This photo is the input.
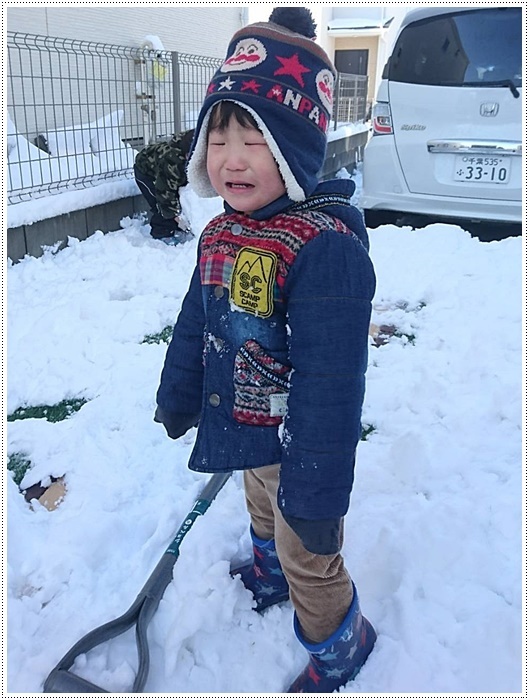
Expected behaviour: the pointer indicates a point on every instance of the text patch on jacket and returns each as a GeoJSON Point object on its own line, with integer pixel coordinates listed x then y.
{"type": "Point", "coordinates": [252, 281]}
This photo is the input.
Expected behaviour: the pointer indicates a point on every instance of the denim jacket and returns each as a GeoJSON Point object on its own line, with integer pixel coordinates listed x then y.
{"type": "Point", "coordinates": [270, 346]}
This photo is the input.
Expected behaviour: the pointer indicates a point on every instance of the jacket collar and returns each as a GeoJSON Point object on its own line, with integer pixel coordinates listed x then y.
{"type": "Point", "coordinates": [330, 193]}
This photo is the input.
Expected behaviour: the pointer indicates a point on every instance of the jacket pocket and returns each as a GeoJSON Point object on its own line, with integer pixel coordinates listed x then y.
{"type": "Point", "coordinates": [261, 386]}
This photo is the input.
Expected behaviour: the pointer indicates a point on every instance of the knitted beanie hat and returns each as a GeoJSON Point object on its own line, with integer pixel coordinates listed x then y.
{"type": "Point", "coordinates": [285, 81]}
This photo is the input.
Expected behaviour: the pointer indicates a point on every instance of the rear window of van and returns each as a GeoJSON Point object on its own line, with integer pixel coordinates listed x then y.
{"type": "Point", "coordinates": [479, 47]}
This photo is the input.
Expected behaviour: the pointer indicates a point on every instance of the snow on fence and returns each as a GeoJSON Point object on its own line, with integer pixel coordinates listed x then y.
{"type": "Point", "coordinates": [79, 111]}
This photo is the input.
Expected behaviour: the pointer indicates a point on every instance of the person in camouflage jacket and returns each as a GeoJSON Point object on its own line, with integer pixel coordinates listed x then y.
{"type": "Point", "coordinates": [160, 170]}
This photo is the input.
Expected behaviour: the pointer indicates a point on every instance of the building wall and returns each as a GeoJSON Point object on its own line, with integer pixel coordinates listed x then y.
{"type": "Point", "coordinates": [380, 47]}
{"type": "Point", "coordinates": [371, 43]}
{"type": "Point", "coordinates": [200, 30]}
{"type": "Point", "coordinates": [39, 104]}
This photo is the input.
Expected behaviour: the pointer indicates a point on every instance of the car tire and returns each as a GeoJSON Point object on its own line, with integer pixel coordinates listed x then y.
{"type": "Point", "coordinates": [378, 217]}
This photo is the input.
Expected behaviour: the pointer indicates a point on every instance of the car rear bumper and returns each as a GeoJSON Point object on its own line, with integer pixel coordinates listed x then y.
{"type": "Point", "coordinates": [384, 188]}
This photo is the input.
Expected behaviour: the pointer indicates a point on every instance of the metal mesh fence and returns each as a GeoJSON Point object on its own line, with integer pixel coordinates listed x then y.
{"type": "Point", "coordinates": [350, 104]}
{"type": "Point", "coordinates": [79, 111]}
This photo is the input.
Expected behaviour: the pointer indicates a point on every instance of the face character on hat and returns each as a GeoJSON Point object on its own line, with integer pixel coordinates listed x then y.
{"type": "Point", "coordinates": [324, 85]}
{"type": "Point", "coordinates": [248, 54]}
{"type": "Point", "coordinates": [285, 81]}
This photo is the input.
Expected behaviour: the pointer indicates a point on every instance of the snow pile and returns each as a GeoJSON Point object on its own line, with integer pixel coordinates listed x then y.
{"type": "Point", "coordinates": [433, 533]}
{"type": "Point", "coordinates": [90, 152]}
{"type": "Point", "coordinates": [152, 42]}
{"type": "Point", "coordinates": [101, 138]}
{"type": "Point", "coordinates": [27, 213]}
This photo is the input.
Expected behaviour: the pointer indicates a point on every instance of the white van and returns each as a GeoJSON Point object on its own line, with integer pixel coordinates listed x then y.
{"type": "Point", "coordinates": [446, 142]}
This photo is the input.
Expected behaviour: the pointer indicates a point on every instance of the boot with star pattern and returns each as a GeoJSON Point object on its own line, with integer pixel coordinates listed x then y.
{"type": "Point", "coordinates": [263, 576]}
{"type": "Point", "coordinates": [338, 659]}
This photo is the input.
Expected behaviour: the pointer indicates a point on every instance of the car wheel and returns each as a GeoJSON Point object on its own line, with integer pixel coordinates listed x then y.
{"type": "Point", "coordinates": [492, 231]}
{"type": "Point", "coordinates": [377, 217]}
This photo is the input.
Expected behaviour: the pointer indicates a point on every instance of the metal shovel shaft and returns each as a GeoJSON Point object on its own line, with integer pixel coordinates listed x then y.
{"type": "Point", "coordinates": [141, 612]}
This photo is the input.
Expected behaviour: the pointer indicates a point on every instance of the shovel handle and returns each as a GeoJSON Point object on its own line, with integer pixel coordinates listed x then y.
{"type": "Point", "coordinates": [62, 680]}
{"type": "Point", "coordinates": [212, 488]}
{"type": "Point", "coordinates": [205, 499]}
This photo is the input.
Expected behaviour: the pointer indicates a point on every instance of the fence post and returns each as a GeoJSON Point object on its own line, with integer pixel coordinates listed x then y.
{"type": "Point", "coordinates": [176, 92]}
{"type": "Point", "coordinates": [364, 100]}
{"type": "Point", "coordinates": [337, 100]}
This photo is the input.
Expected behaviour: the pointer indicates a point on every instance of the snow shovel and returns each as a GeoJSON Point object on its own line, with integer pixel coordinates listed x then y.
{"type": "Point", "coordinates": [140, 613]}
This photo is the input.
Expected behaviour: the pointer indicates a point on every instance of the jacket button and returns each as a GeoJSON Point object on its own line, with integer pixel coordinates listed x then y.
{"type": "Point", "coordinates": [236, 229]}
{"type": "Point", "coordinates": [218, 291]}
{"type": "Point", "coordinates": [214, 400]}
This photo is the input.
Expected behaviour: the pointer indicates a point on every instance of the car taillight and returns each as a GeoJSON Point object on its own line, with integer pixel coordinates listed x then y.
{"type": "Point", "coordinates": [382, 123]}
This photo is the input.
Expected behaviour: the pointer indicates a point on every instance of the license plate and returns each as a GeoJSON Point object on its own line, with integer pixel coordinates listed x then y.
{"type": "Point", "coordinates": [482, 169]}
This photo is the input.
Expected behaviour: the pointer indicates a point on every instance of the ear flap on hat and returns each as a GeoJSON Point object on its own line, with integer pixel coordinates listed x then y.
{"type": "Point", "coordinates": [197, 173]}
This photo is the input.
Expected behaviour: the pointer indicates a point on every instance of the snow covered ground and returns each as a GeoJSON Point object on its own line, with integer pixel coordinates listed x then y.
{"type": "Point", "coordinates": [433, 535]}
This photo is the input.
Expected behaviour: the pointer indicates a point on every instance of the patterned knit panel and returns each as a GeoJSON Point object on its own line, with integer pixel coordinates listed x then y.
{"type": "Point", "coordinates": [261, 386]}
{"type": "Point", "coordinates": [283, 235]}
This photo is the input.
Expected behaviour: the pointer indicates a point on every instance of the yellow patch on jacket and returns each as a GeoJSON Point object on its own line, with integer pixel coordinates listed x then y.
{"type": "Point", "coordinates": [252, 281]}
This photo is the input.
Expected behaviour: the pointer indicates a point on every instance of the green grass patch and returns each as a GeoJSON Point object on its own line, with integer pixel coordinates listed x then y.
{"type": "Point", "coordinates": [18, 464]}
{"type": "Point", "coordinates": [163, 336]}
{"type": "Point", "coordinates": [367, 430]}
{"type": "Point", "coordinates": [53, 414]}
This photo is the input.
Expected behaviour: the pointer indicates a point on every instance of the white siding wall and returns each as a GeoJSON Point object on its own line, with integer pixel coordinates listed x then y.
{"type": "Point", "coordinates": [204, 31]}
{"type": "Point", "coordinates": [41, 106]}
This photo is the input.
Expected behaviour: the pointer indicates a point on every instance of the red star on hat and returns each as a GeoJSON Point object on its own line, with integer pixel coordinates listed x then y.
{"type": "Point", "coordinates": [251, 85]}
{"type": "Point", "coordinates": [292, 66]}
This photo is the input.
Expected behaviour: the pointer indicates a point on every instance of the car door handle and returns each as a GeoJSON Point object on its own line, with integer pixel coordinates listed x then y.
{"type": "Point", "coordinates": [497, 148]}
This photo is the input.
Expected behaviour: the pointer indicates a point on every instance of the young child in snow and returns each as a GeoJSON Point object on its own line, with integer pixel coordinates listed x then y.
{"type": "Point", "coordinates": [160, 171]}
{"type": "Point", "coordinates": [269, 351]}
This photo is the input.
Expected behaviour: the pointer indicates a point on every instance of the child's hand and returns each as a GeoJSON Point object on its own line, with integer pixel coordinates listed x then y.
{"type": "Point", "coordinates": [175, 424]}
{"type": "Point", "coordinates": [182, 222]}
{"type": "Point", "coordinates": [318, 536]}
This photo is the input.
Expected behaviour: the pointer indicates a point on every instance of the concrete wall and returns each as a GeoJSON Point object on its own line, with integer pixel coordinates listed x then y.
{"type": "Point", "coordinates": [28, 240]}
{"type": "Point", "coordinates": [344, 153]}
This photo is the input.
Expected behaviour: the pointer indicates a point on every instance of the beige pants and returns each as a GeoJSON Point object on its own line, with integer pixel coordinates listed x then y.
{"type": "Point", "coordinates": [320, 587]}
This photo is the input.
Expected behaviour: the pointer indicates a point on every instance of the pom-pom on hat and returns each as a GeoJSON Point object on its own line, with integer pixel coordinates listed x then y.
{"type": "Point", "coordinates": [285, 81]}
{"type": "Point", "coordinates": [297, 19]}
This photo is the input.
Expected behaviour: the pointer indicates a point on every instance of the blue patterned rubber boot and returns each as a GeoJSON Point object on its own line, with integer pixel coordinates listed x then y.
{"type": "Point", "coordinates": [338, 659]}
{"type": "Point", "coordinates": [263, 576]}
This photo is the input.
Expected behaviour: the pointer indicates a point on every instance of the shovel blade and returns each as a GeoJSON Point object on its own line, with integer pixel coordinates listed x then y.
{"type": "Point", "coordinates": [61, 681]}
